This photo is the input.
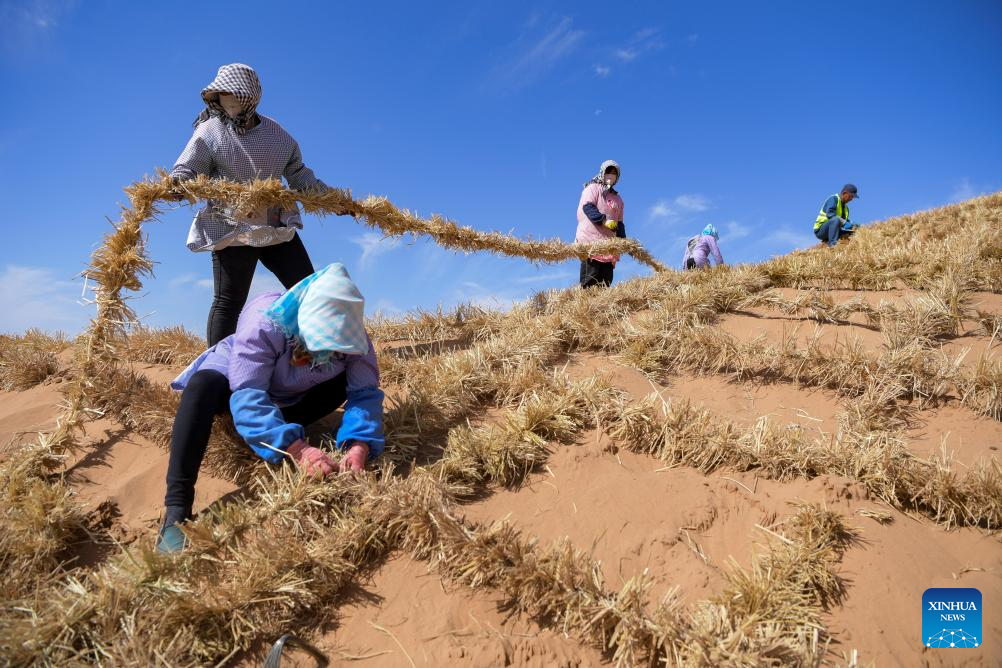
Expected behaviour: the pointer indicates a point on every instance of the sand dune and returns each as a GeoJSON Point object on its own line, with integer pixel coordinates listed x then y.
{"type": "Point", "coordinates": [690, 527]}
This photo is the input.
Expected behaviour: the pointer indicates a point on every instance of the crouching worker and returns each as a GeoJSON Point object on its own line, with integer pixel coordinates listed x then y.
{"type": "Point", "coordinates": [700, 247]}
{"type": "Point", "coordinates": [600, 217]}
{"type": "Point", "coordinates": [833, 221]}
{"type": "Point", "coordinates": [295, 358]}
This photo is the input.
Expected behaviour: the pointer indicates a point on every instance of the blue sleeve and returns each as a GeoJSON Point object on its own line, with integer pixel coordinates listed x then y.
{"type": "Point", "coordinates": [363, 420]}
{"type": "Point", "coordinates": [363, 407]}
{"type": "Point", "coordinates": [259, 422]}
{"type": "Point", "coordinates": [831, 206]}
{"type": "Point", "coordinates": [255, 347]}
{"type": "Point", "coordinates": [594, 215]}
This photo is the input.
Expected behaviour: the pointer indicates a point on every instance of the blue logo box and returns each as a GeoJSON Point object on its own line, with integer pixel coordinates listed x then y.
{"type": "Point", "coordinates": [951, 618]}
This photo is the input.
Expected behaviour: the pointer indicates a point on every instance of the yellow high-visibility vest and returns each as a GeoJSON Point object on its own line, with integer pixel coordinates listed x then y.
{"type": "Point", "coordinates": [841, 210]}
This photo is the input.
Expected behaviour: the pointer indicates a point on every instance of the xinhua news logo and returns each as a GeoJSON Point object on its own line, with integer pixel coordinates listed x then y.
{"type": "Point", "coordinates": [951, 618]}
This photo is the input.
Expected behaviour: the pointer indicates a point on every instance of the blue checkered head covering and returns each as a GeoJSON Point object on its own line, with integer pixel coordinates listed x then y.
{"type": "Point", "coordinates": [323, 313]}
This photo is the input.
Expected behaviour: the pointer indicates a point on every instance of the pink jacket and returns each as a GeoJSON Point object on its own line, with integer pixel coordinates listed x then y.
{"type": "Point", "coordinates": [607, 202]}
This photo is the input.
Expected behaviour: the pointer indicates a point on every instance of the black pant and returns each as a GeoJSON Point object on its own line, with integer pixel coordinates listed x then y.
{"type": "Point", "coordinates": [690, 264]}
{"type": "Point", "coordinates": [206, 395]}
{"type": "Point", "coordinates": [594, 272]}
{"type": "Point", "coordinates": [232, 272]}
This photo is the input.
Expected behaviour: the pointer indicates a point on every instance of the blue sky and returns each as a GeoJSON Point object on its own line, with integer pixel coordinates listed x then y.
{"type": "Point", "coordinates": [746, 115]}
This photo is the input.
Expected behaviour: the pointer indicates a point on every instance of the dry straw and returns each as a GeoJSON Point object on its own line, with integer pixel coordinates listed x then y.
{"type": "Point", "coordinates": [284, 555]}
{"type": "Point", "coordinates": [29, 359]}
{"type": "Point", "coordinates": [255, 568]}
{"type": "Point", "coordinates": [380, 213]}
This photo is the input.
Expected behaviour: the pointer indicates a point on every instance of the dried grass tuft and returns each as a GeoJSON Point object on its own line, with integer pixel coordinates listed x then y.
{"type": "Point", "coordinates": [169, 346]}
{"type": "Point", "coordinates": [29, 359]}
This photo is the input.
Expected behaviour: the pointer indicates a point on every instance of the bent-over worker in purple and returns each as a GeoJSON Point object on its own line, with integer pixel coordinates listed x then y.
{"type": "Point", "coordinates": [295, 358]}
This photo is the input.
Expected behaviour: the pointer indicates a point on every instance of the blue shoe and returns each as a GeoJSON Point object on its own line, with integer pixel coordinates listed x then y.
{"type": "Point", "coordinates": [171, 539]}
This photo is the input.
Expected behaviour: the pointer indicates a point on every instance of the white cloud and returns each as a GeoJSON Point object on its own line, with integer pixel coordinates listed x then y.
{"type": "Point", "coordinates": [673, 210]}
{"type": "Point", "coordinates": [964, 190]}
{"type": "Point", "coordinates": [733, 231]}
{"type": "Point", "coordinates": [373, 245]}
{"type": "Point", "coordinates": [676, 246]}
{"type": "Point", "coordinates": [38, 297]}
{"type": "Point", "coordinates": [661, 209]}
{"type": "Point", "coordinates": [788, 239]}
{"type": "Point", "coordinates": [185, 280]}
{"type": "Point", "coordinates": [533, 55]}
{"type": "Point", "coordinates": [598, 112]}
{"type": "Point", "coordinates": [692, 203]}
{"type": "Point", "coordinates": [602, 71]}
{"type": "Point", "coordinates": [27, 25]}
{"type": "Point", "coordinates": [643, 41]}
{"type": "Point", "coordinates": [433, 262]}
{"type": "Point", "coordinates": [386, 308]}
{"type": "Point", "coordinates": [182, 280]}
{"type": "Point", "coordinates": [692, 38]}
{"type": "Point", "coordinates": [264, 281]}
{"type": "Point", "coordinates": [471, 292]}
{"type": "Point", "coordinates": [549, 277]}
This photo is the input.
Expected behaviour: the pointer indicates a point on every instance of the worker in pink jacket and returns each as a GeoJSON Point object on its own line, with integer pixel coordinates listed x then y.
{"type": "Point", "coordinates": [600, 217]}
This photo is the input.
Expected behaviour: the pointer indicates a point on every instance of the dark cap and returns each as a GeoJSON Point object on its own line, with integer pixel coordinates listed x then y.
{"type": "Point", "coordinates": [851, 189]}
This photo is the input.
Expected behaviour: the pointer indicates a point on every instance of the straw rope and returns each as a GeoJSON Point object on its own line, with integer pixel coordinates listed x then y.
{"type": "Point", "coordinates": [119, 265]}
{"type": "Point", "coordinates": [380, 213]}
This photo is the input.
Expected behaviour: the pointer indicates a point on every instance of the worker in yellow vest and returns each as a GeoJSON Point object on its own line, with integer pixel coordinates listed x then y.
{"type": "Point", "coordinates": [833, 220]}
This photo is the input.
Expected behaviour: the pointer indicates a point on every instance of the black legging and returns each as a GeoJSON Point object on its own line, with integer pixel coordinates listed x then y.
{"type": "Point", "coordinates": [595, 273]}
{"type": "Point", "coordinates": [206, 395]}
{"type": "Point", "coordinates": [232, 273]}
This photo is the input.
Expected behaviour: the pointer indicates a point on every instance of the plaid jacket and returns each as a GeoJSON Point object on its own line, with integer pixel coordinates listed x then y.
{"type": "Point", "coordinates": [265, 151]}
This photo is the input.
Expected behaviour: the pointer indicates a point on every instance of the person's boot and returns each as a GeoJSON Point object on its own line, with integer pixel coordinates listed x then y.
{"type": "Point", "coordinates": [171, 538]}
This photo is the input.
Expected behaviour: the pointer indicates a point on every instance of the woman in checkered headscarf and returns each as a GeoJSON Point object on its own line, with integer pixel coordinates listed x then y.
{"type": "Point", "coordinates": [233, 141]}
{"type": "Point", "coordinates": [295, 358]}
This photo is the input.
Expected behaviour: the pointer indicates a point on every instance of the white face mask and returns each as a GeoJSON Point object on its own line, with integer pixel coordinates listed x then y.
{"type": "Point", "coordinates": [230, 104]}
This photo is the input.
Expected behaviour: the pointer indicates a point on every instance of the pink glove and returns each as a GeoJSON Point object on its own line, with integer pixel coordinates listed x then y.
{"type": "Point", "coordinates": [354, 461]}
{"type": "Point", "coordinates": [313, 461]}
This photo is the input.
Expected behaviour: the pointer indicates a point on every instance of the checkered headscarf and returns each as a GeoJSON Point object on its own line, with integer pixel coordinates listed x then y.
{"type": "Point", "coordinates": [242, 82]}
{"type": "Point", "coordinates": [323, 313]}
{"type": "Point", "coordinates": [600, 177]}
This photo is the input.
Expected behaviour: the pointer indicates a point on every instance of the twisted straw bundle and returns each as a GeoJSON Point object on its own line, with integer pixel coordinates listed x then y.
{"type": "Point", "coordinates": [379, 212]}
{"type": "Point", "coordinates": [121, 261]}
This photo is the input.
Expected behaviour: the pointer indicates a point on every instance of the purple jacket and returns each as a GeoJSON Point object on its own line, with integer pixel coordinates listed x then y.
{"type": "Point", "coordinates": [257, 360]}
{"type": "Point", "coordinates": [699, 249]}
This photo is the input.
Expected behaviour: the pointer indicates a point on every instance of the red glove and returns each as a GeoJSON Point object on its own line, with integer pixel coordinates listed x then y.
{"type": "Point", "coordinates": [313, 461]}
{"type": "Point", "coordinates": [354, 461]}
